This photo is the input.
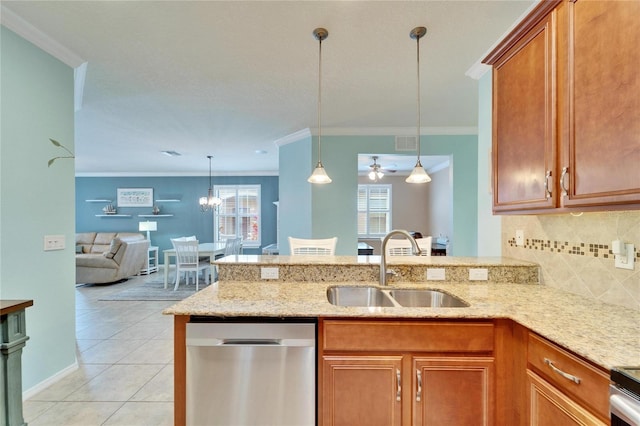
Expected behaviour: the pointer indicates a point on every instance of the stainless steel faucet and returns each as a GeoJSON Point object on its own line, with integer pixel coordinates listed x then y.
{"type": "Point", "coordinates": [383, 257]}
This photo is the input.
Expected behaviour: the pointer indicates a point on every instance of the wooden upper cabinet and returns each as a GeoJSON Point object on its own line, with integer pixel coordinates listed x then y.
{"type": "Point", "coordinates": [524, 116]}
{"type": "Point", "coordinates": [600, 100]}
{"type": "Point", "coordinates": [566, 110]}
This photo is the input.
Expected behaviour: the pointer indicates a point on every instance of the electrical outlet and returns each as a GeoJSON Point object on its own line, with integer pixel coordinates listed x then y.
{"type": "Point", "coordinates": [269, 273]}
{"type": "Point", "coordinates": [478, 274]}
{"type": "Point", "coordinates": [435, 274]}
{"type": "Point", "coordinates": [54, 242]}
{"type": "Point", "coordinates": [626, 258]}
{"type": "Point", "coordinates": [519, 237]}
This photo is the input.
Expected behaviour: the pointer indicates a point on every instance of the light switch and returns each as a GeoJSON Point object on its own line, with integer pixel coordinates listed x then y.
{"type": "Point", "coordinates": [54, 242]}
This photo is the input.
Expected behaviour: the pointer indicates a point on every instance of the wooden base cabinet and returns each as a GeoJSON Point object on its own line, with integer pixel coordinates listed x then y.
{"type": "Point", "coordinates": [550, 407]}
{"type": "Point", "coordinates": [362, 390]}
{"type": "Point", "coordinates": [453, 391]}
{"type": "Point", "coordinates": [405, 373]}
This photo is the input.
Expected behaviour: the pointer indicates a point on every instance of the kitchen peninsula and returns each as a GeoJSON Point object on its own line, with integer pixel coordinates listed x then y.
{"type": "Point", "coordinates": [490, 344]}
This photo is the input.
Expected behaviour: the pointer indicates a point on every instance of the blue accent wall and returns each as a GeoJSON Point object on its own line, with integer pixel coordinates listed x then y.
{"type": "Point", "coordinates": [187, 218]}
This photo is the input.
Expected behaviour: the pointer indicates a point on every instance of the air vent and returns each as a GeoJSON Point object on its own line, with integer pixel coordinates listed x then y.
{"type": "Point", "coordinates": [406, 143]}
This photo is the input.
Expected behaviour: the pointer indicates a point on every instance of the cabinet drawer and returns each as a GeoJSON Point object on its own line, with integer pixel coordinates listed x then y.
{"type": "Point", "coordinates": [407, 336]}
{"type": "Point", "coordinates": [552, 361]}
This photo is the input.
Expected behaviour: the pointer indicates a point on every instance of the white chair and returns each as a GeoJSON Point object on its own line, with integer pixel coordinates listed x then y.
{"type": "Point", "coordinates": [312, 247]}
{"type": "Point", "coordinates": [402, 247]}
{"type": "Point", "coordinates": [187, 261]}
{"type": "Point", "coordinates": [233, 246]}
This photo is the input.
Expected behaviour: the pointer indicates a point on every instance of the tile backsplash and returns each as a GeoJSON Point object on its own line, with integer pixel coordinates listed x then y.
{"type": "Point", "coordinates": [574, 252]}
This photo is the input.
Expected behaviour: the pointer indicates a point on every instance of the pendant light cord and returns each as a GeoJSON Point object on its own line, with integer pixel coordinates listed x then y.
{"type": "Point", "coordinates": [319, 98]}
{"type": "Point", "coordinates": [418, 75]}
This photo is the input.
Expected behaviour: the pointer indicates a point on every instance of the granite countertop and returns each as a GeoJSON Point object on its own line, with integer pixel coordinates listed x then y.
{"type": "Point", "coordinates": [605, 334]}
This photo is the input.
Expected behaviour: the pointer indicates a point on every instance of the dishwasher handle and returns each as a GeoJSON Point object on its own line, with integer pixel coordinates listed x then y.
{"type": "Point", "coordinates": [251, 342]}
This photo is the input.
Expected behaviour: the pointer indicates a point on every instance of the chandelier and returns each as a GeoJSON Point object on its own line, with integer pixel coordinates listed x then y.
{"type": "Point", "coordinates": [209, 202]}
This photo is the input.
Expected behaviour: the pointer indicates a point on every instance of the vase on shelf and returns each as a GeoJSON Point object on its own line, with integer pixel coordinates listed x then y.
{"type": "Point", "coordinates": [156, 210]}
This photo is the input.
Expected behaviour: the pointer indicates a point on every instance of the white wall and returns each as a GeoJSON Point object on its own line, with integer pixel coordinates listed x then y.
{"type": "Point", "coordinates": [489, 226]}
{"type": "Point", "coordinates": [441, 204]}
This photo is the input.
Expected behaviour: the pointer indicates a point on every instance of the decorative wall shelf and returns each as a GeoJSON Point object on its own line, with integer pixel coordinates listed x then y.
{"type": "Point", "coordinates": [98, 201]}
{"type": "Point", "coordinates": [113, 215]}
{"type": "Point", "coordinates": [155, 215]}
{"type": "Point", "coordinates": [169, 200]}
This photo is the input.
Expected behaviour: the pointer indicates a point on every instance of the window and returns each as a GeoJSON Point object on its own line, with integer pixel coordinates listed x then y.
{"type": "Point", "coordinates": [374, 210]}
{"type": "Point", "coordinates": [239, 214]}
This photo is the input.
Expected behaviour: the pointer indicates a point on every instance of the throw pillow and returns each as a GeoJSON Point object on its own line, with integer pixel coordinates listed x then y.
{"type": "Point", "coordinates": [113, 249]}
{"type": "Point", "coordinates": [78, 249]}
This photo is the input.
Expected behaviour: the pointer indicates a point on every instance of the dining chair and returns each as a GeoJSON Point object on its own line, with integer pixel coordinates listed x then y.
{"type": "Point", "coordinates": [233, 246]}
{"type": "Point", "coordinates": [187, 261]}
{"type": "Point", "coordinates": [312, 247]}
{"type": "Point", "coordinates": [402, 247]}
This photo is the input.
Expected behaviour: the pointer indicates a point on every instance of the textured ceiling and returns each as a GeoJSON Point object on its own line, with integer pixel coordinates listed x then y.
{"type": "Point", "coordinates": [229, 78]}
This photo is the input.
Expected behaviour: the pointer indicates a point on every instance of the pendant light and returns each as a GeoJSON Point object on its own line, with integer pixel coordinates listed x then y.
{"type": "Point", "coordinates": [209, 202]}
{"type": "Point", "coordinates": [418, 174]}
{"type": "Point", "coordinates": [319, 175]}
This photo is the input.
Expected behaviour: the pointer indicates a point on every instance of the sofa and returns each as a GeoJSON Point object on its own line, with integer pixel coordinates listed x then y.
{"type": "Point", "coordinates": [107, 257]}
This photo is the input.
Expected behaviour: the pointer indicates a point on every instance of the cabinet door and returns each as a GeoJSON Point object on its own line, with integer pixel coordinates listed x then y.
{"type": "Point", "coordinates": [453, 391]}
{"type": "Point", "coordinates": [599, 93]}
{"type": "Point", "coordinates": [361, 390]}
{"type": "Point", "coordinates": [550, 407]}
{"type": "Point", "coordinates": [524, 114]}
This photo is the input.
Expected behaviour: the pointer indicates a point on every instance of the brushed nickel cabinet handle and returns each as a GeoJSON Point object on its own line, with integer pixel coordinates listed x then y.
{"type": "Point", "coordinates": [562, 373]}
{"type": "Point", "coordinates": [565, 191]}
{"type": "Point", "coordinates": [547, 191]}
{"type": "Point", "coordinates": [399, 388]}
{"type": "Point", "coordinates": [419, 392]}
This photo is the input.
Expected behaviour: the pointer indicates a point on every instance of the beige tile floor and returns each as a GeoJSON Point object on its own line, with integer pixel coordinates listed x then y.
{"type": "Point", "coordinates": [125, 357]}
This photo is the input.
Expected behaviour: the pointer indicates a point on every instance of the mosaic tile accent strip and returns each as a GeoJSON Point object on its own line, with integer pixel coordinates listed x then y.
{"type": "Point", "coordinates": [583, 249]}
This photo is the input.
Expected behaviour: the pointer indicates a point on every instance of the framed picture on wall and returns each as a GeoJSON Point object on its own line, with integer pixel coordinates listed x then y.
{"type": "Point", "coordinates": [135, 197]}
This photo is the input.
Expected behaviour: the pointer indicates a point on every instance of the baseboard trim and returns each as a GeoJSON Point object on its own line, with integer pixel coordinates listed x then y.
{"type": "Point", "coordinates": [51, 380]}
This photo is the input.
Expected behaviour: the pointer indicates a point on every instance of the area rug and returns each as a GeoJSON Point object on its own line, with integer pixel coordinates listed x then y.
{"type": "Point", "coordinates": [154, 290]}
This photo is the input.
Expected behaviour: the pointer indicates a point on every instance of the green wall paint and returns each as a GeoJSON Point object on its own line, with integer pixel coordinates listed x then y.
{"type": "Point", "coordinates": [36, 200]}
{"type": "Point", "coordinates": [295, 192]}
{"type": "Point", "coordinates": [489, 226]}
{"type": "Point", "coordinates": [333, 206]}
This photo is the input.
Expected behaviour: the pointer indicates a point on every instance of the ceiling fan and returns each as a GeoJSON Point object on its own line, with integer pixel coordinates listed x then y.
{"type": "Point", "coordinates": [377, 171]}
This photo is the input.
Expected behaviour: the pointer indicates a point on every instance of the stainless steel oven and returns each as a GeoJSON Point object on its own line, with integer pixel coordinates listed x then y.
{"type": "Point", "coordinates": [624, 396]}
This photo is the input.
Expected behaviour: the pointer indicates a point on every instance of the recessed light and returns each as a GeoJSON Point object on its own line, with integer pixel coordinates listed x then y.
{"type": "Point", "coordinates": [171, 153]}
{"type": "Point", "coordinates": [260, 151]}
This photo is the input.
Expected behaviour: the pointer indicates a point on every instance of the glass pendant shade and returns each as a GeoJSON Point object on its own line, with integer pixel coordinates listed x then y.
{"type": "Point", "coordinates": [418, 175]}
{"type": "Point", "coordinates": [319, 175]}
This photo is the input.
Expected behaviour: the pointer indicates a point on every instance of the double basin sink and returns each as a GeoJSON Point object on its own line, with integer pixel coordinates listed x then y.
{"type": "Point", "coordinates": [376, 297]}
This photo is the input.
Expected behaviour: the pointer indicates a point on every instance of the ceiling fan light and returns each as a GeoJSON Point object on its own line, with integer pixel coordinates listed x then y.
{"type": "Point", "coordinates": [372, 175]}
{"type": "Point", "coordinates": [418, 175]}
{"type": "Point", "coordinates": [319, 175]}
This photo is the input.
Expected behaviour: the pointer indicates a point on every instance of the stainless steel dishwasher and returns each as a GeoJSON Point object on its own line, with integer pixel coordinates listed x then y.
{"type": "Point", "coordinates": [251, 373]}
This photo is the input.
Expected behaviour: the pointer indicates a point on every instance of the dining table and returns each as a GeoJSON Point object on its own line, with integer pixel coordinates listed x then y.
{"type": "Point", "coordinates": [204, 249]}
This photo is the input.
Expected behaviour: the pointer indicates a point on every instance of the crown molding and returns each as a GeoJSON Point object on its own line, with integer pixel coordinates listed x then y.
{"type": "Point", "coordinates": [176, 174]}
{"type": "Point", "coordinates": [30, 33]}
{"type": "Point", "coordinates": [293, 137]}
{"type": "Point", "coordinates": [478, 69]}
